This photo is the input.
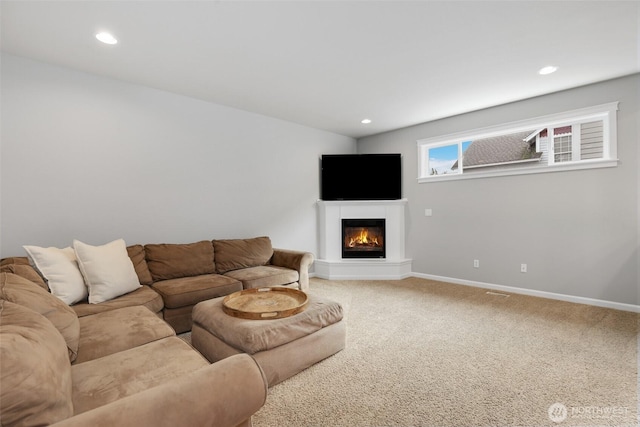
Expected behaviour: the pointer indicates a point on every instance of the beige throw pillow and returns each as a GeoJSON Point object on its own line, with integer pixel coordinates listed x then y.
{"type": "Point", "coordinates": [107, 270]}
{"type": "Point", "coordinates": [60, 269]}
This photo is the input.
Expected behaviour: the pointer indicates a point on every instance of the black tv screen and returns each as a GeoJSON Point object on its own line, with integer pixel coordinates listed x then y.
{"type": "Point", "coordinates": [360, 177]}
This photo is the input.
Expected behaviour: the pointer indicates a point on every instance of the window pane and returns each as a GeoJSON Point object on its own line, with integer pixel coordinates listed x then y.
{"type": "Point", "coordinates": [562, 148]}
{"type": "Point", "coordinates": [501, 151]}
{"type": "Point", "coordinates": [442, 159]}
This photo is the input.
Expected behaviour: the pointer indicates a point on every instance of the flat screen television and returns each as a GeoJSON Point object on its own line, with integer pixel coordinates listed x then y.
{"type": "Point", "coordinates": [360, 177]}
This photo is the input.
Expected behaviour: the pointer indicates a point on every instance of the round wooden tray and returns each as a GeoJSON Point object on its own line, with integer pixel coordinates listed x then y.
{"type": "Point", "coordinates": [265, 303]}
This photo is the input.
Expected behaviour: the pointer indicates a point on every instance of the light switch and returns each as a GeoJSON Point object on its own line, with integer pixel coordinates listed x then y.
{"type": "Point", "coordinates": [428, 212]}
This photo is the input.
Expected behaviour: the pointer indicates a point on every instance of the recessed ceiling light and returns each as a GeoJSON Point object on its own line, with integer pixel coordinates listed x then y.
{"type": "Point", "coordinates": [365, 121]}
{"type": "Point", "coordinates": [106, 38]}
{"type": "Point", "coordinates": [547, 70]}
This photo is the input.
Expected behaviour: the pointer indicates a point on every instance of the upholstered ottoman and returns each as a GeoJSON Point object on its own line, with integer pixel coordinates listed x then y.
{"type": "Point", "coordinates": [282, 347]}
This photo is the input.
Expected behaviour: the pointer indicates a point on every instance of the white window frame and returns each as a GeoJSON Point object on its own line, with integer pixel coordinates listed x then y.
{"type": "Point", "coordinates": [604, 112]}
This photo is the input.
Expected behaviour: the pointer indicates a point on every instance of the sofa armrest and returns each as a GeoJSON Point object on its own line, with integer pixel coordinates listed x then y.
{"type": "Point", "coordinates": [225, 393]}
{"type": "Point", "coordinates": [295, 260]}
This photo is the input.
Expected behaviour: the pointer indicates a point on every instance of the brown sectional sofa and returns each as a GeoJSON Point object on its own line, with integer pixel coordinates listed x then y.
{"type": "Point", "coordinates": [123, 366]}
{"type": "Point", "coordinates": [175, 277]}
{"type": "Point", "coordinates": [117, 362]}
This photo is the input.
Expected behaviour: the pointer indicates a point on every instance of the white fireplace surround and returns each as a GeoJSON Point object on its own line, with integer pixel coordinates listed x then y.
{"type": "Point", "coordinates": [331, 265]}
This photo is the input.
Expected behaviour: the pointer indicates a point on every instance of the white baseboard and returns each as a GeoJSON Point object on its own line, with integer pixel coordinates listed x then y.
{"type": "Point", "coordinates": [531, 292]}
{"type": "Point", "coordinates": [523, 291]}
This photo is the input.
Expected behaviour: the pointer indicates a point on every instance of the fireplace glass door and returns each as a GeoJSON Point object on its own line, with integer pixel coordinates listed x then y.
{"type": "Point", "coordinates": [363, 238]}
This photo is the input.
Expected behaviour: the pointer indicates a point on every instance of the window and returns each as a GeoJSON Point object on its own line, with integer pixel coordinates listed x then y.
{"type": "Point", "coordinates": [578, 139]}
{"type": "Point", "coordinates": [562, 144]}
{"type": "Point", "coordinates": [443, 158]}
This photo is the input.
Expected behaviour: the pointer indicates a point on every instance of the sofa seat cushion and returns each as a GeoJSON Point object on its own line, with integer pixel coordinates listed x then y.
{"type": "Point", "coordinates": [113, 331]}
{"type": "Point", "coordinates": [101, 381]}
{"type": "Point", "coordinates": [19, 290]}
{"type": "Point", "coordinates": [252, 336]}
{"type": "Point", "coordinates": [144, 296]}
{"type": "Point", "coordinates": [264, 276]}
{"type": "Point", "coordinates": [179, 318]}
{"type": "Point", "coordinates": [36, 374]}
{"type": "Point", "coordinates": [191, 290]}
{"type": "Point", "coordinates": [171, 260]}
{"type": "Point", "coordinates": [233, 254]}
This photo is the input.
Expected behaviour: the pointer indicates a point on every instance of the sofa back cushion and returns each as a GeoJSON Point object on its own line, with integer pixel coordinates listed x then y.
{"type": "Point", "coordinates": [136, 254]}
{"type": "Point", "coordinates": [18, 290]}
{"type": "Point", "coordinates": [14, 260]}
{"type": "Point", "coordinates": [171, 260]}
{"type": "Point", "coordinates": [21, 267]}
{"type": "Point", "coordinates": [233, 254]}
{"type": "Point", "coordinates": [35, 372]}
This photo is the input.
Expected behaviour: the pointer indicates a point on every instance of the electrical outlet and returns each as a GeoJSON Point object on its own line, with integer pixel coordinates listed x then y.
{"type": "Point", "coordinates": [428, 212]}
{"type": "Point", "coordinates": [523, 268]}
{"type": "Point", "coordinates": [476, 263]}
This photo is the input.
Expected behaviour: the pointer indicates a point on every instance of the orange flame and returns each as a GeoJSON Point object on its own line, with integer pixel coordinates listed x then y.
{"type": "Point", "coordinates": [362, 239]}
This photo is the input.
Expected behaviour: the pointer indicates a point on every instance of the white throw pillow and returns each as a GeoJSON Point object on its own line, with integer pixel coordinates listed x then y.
{"type": "Point", "coordinates": [60, 269]}
{"type": "Point", "coordinates": [107, 270]}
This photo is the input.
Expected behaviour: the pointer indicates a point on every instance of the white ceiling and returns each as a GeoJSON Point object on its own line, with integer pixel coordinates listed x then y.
{"type": "Point", "coordinates": [329, 64]}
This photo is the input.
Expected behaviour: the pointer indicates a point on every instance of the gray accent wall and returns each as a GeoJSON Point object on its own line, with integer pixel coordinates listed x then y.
{"type": "Point", "coordinates": [577, 231]}
{"type": "Point", "coordinates": [96, 159]}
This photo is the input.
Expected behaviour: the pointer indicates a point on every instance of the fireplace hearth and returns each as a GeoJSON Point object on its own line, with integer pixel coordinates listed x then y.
{"type": "Point", "coordinates": [363, 238]}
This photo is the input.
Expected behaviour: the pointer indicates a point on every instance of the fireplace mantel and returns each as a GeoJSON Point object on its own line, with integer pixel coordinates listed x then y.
{"type": "Point", "coordinates": [331, 265]}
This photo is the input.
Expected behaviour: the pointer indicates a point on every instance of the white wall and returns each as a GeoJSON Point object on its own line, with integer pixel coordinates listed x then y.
{"type": "Point", "coordinates": [578, 231]}
{"type": "Point", "coordinates": [97, 159]}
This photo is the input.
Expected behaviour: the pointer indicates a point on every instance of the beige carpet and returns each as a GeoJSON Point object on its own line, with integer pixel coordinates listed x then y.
{"type": "Point", "coordinates": [424, 353]}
